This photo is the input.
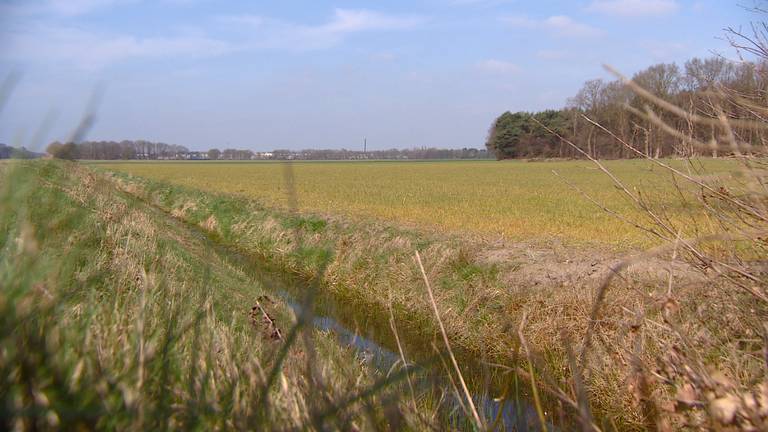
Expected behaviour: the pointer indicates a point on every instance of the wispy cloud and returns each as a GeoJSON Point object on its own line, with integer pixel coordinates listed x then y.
{"type": "Point", "coordinates": [42, 40]}
{"type": "Point", "coordinates": [496, 66]}
{"type": "Point", "coordinates": [566, 26]}
{"type": "Point", "coordinates": [63, 8]}
{"type": "Point", "coordinates": [349, 21]}
{"type": "Point", "coordinates": [343, 21]}
{"type": "Point", "coordinates": [559, 25]}
{"type": "Point", "coordinates": [263, 32]}
{"type": "Point", "coordinates": [90, 51]}
{"type": "Point", "coordinates": [79, 7]}
{"type": "Point", "coordinates": [634, 8]}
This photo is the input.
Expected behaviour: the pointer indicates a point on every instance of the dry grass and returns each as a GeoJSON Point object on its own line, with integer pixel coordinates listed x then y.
{"type": "Point", "coordinates": [481, 290]}
{"type": "Point", "coordinates": [672, 337]}
{"type": "Point", "coordinates": [695, 352]}
{"type": "Point", "coordinates": [115, 318]}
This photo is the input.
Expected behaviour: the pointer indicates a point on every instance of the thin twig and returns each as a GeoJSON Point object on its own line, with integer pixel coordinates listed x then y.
{"type": "Point", "coordinates": [470, 402]}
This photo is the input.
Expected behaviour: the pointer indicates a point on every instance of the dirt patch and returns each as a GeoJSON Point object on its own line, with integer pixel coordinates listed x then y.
{"type": "Point", "coordinates": [263, 321]}
{"type": "Point", "coordinates": [528, 265]}
{"type": "Point", "coordinates": [181, 212]}
{"type": "Point", "coordinates": [210, 224]}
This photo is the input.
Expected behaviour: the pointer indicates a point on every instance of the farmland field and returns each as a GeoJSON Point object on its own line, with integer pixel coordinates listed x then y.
{"type": "Point", "coordinates": [517, 200]}
{"type": "Point", "coordinates": [247, 265]}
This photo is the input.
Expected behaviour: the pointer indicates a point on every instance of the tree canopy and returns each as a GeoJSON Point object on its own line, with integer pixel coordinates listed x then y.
{"type": "Point", "coordinates": [523, 134]}
{"type": "Point", "coordinates": [700, 86]}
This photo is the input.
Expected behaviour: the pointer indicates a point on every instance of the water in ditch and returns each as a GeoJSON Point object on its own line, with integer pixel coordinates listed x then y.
{"type": "Point", "coordinates": [371, 336]}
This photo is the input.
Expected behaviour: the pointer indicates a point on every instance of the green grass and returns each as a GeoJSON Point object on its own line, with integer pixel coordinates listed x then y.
{"type": "Point", "coordinates": [514, 199]}
{"type": "Point", "coordinates": [114, 316]}
{"type": "Point", "coordinates": [104, 249]}
{"type": "Point", "coordinates": [371, 271]}
{"type": "Point", "coordinates": [482, 296]}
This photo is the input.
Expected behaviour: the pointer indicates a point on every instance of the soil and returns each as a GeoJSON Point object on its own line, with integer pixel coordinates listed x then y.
{"type": "Point", "coordinates": [263, 321]}
{"type": "Point", "coordinates": [553, 265]}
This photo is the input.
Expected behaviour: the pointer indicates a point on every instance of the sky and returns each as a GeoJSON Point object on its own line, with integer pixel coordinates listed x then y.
{"type": "Point", "coordinates": [291, 74]}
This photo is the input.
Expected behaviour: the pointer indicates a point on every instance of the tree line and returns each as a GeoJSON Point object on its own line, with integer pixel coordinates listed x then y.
{"type": "Point", "coordinates": [146, 150]}
{"type": "Point", "coordinates": [389, 154]}
{"type": "Point", "coordinates": [710, 87]}
{"type": "Point", "coordinates": [112, 150]}
{"type": "Point", "coordinates": [8, 152]}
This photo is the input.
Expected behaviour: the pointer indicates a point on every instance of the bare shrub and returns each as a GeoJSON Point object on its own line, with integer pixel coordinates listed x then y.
{"type": "Point", "coordinates": [695, 354]}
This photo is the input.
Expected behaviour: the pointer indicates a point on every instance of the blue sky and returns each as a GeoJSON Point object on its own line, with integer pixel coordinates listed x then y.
{"type": "Point", "coordinates": [324, 74]}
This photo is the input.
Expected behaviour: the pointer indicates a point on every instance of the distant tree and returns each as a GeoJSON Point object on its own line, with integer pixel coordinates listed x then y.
{"type": "Point", "coordinates": [214, 154]}
{"type": "Point", "coordinates": [663, 80]}
{"type": "Point", "coordinates": [127, 152]}
{"type": "Point", "coordinates": [505, 134]}
{"type": "Point", "coordinates": [229, 154]}
{"type": "Point", "coordinates": [5, 151]}
{"type": "Point", "coordinates": [67, 151]}
{"type": "Point", "coordinates": [529, 135]}
{"type": "Point", "coordinates": [543, 143]}
{"type": "Point", "coordinates": [590, 97]}
{"type": "Point", "coordinates": [705, 87]}
{"type": "Point", "coordinates": [8, 152]}
{"type": "Point", "coordinates": [243, 154]}
{"type": "Point", "coordinates": [703, 74]}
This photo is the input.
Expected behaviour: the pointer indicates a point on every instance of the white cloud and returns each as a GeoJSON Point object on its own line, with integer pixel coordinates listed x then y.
{"type": "Point", "coordinates": [79, 7]}
{"type": "Point", "coordinates": [92, 51]}
{"type": "Point", "coordinates": [64, 8]}
{"type": "Point", "coordinates": [261, 32]}
{"type": "Point", "coordinates": [498, 66]}
{"type": "Point", "coordinates": [349, 21]}
{"type": "Point", "coordinates": [40, 41]}
{"type": "Point", "coordinates": [634, 8]}
{"type": "Point", "coordinates": [566, 26]}
{"type": "Point", "coordinates": [560, 25]}
{"type": "Point", "coordinates": [342, 21]}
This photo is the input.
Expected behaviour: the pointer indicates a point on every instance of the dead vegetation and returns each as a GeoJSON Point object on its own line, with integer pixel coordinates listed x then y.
{"type": "Point", "coordinates": [114, 318]}
{"type": "Point", "coordinates": [263, 321]}
{"type": "Point", "coordinates": [669, 338]}
{"type": "Point", "coordinates": [481, 290]}
{"type": "Point", "coordinates": [691, 353]}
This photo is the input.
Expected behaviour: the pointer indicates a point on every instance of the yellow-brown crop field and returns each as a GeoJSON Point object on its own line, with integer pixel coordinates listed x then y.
{"type": "Point", "coordinates": [514, 199]}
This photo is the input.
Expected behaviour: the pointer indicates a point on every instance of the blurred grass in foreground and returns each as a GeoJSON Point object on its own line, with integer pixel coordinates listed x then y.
{"type": "Point", "coordinates": [111, 317]}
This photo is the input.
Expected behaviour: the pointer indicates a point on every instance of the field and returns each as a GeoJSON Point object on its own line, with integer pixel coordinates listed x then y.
{"type": "Point", "coordinates": [488, 290]}
{"type": "Point", "coordinates": [194, 303]}
{"type": "Point", "coordinates": [516, 200]}
{"type": "Point", "coordinates": [123, 331]}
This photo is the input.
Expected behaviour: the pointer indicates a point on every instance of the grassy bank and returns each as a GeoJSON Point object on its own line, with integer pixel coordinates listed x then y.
{"type": "Point", "coordinates": [486, 295]}
{"type": "Point", "coordinates": [114, 317]}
